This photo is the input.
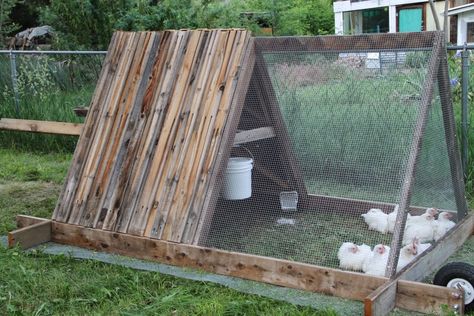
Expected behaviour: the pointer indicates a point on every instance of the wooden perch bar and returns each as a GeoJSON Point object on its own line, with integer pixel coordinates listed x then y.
{"type": "Point", "coordinates": [254, 135]}
{"type": "Point", "coordinates": [48, 127]}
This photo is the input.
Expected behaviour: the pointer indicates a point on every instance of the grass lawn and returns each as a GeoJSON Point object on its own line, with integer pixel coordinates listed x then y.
{"type": "Point", "coordinates": [41, 284]}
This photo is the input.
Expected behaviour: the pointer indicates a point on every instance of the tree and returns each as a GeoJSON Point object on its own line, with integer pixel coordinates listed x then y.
{"type": "Point", "coordinates": [7, 27]}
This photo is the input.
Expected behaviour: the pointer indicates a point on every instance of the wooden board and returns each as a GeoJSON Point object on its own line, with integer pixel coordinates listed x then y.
{"type": "Point", "coordinates": [357, 286]}
{"type": "Point", "coordinates": [382, 300]}
{"type": "Point", "coordinates": [48, 127]}
{"type": "Point", "coordinates": [254, 135]}
{"type": "Point", "coordinates": [26, 220]}
{"type": "Point", "coordinates": [30, 236]}
{"type": "Point", "coordinates": [156, 129]}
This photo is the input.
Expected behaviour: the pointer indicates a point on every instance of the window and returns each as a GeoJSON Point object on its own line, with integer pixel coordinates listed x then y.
{"type": "Point", "coordinates": [470, 32]}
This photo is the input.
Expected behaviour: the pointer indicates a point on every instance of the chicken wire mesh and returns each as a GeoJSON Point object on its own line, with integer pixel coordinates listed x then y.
{"type": "Point", "coordinates": [344, 124]}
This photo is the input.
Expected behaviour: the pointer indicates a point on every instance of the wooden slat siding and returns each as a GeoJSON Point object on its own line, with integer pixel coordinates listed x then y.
{"type": "Point", "coordinates": [193, 129]}
{"type": "Point", "coordinates": [201, 207]}
{"type": "Point", "coordinates": [427, 298]}
{"type": "Point", "coordinates": [371, 42]}
{"type": "Point", "coordinates": [26, 220]}
{"type": "Point", "coordinates": [167, 134]}
{"type": "Point", "coordinates": [154, 152]}
{"type": "Point", "coordinates": [449, 123]}
{"type": "Point", "coordinates": [254, 135]}
{"type": "Point", "coordinates": [269, 270]}
{"type": "Point", "coordinates": [382, 300]}
{"type": "Point", "coordinates": [432, 259]}
{"type": "Point", "coordinates": [95, 160]}
{"type": "Point", "coordinates": [62, 209]}
{"type": "Point", "coordinates": [30, 236]}
{"type": "Point", "coordinates": [413, 156]}
{"type": "Point", "coordinates": [95, 178]}
{"type": "Point", "coordinates": [293, 172]}
{"type": "Point", "coordinates": [129, 144]}
{"type": "Point", "coordinates": [47, 127]}
{"type": "Point", "coordinates": [169, 131]}
{"type": "Point", "coordinates": [109, 156]}
{"type": "Point", "coordinates": [185, 88]}
{"type": "Point", "coordinates": [225, 87]}
{"type": "Point", "coordinates": [157, 94]}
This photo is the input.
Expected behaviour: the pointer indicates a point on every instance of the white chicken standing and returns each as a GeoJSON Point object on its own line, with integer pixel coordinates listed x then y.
{"type": "Point", "coordinates": [377, 262]}
{"type": "Point", "coordinates": [422, 228]}
{"type": "Point", "coordinates": [429, 211]}
{"type": "Point", "coordinates": [442, 225]}
{"type": "Point", "coordinates": [377, 220]}
{"type": "Point", "coordinates": [352, 256]}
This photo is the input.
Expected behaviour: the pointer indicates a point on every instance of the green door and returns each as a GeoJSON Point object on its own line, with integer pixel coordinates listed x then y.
{"type": "Point", "coordinates": [410, 20]}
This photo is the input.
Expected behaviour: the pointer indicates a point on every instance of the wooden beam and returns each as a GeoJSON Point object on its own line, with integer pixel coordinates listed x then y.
{"type": "Point", "coordinates": [432, 259]}
{"type": "Point", "coordinates": [81, 111]}
{"type": "Point", "coordinates": [48, 127]}
{"type": "Point", "coordinates": [428, 298]}
{"type": "Point", "coordinates": [303, 276]}
{"type": "Point", "coordinates": [30, 236]}
{"type": "Point", "coordinates": [254, 135]}
{"type": "Point", "coordinates": [357, 286]}
{"type": "Point", "coordinates": [382, 300]}
{"type": "Point", "coordinates": [26, 220]}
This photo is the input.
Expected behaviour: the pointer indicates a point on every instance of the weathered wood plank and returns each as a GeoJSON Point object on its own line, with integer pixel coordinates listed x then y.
{"type": "Point", "coordinates": [30, 236]}
{"type": "Point", "coordinates": [254, 135]}
{"type": "Point", "coordinates": [428, 298]}
{"type": "Point", "coordinates": [382, 300]}
{"type": "Point", "coordinates": [269, 270]}
{"type": "Point", "coordinates": [47, 127]}
{"type": "Point", "coordinates": [26, 220]}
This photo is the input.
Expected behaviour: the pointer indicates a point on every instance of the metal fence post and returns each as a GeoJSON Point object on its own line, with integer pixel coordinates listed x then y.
{"type": "Point", "coordinates": [14, 83]}
{"type": "Point", "coordinates": [465, 108]}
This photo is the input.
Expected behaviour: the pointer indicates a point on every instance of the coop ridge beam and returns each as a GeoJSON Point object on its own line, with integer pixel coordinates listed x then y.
{"type": "Point", "coordinates": [30, 236]}
{"type": "Point", "coordinates": [252, 135]}
{"type": "Point", "coordinates": [48, 127]}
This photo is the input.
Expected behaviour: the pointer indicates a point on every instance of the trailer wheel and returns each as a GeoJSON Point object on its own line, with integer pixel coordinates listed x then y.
{"type": "Point", "coordinates": [455, 275]}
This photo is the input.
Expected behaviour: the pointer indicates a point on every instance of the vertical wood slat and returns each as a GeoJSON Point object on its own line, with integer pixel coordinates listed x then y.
{"type": "Point", "coordinates": [63, 207]}
{"type": "Point", "coordinates": [408, 179]}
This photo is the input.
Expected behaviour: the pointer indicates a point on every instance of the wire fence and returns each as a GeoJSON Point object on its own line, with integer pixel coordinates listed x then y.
{"type": "Point", "coordinates": [49, 84]}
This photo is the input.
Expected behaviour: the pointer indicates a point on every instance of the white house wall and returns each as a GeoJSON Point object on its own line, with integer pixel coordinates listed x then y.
{"type": "Point", "coordinates": [463, 19]}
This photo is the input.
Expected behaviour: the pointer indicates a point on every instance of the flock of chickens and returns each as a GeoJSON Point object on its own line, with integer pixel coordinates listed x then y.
{"type": "Point", "coordinates": [419, 231]}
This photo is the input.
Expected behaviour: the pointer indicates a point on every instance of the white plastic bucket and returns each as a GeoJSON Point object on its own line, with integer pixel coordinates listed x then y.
{"type": "Point", "coordinates": [238, 178]}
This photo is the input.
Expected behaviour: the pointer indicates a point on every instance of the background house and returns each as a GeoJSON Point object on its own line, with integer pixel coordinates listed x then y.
{"type": "Point", "coordinates": [463, 16]}
{"type": "Point", "coordinates": [381, 16]}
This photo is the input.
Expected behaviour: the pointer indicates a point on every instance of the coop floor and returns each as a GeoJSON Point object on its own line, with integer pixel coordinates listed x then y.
{"type": "Point", "coordinates": [310, 236]}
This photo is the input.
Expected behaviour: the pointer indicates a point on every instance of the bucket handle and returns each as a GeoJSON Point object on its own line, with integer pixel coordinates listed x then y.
{"type": "Point", "coordinates": [248, 151]}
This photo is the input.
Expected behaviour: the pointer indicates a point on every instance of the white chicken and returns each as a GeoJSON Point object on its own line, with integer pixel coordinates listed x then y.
{"type": "Point", "coordinates": [442, 225]}
{"type": "Point", "coordinates": [421, 228]}
{"type": "Point", "coordinates": [429, 211]}
{"type": "Point", "coordinates": [407, 254]}
{"type": "Point", "coordinates": [352, 256]}
{"type": "Point", "coordinates": [421, 247]}
{"type": "Point", "coordinates": [392, 217]}
{"type": "Point", "coordinates": [377, 220]}
{"type": "Point", "coordinates": [377, 262]}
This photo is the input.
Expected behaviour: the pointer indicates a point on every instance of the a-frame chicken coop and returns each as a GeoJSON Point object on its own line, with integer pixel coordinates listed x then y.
{"type": "Point", "coordinates": [332, 125]}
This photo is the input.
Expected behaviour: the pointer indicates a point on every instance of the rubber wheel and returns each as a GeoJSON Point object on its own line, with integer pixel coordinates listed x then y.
{"type": "Point", "coordinates": [456, 274]}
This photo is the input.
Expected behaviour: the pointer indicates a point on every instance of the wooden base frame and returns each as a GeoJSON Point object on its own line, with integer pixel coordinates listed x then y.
{"type": "Point", "coordinates": [379, 294]}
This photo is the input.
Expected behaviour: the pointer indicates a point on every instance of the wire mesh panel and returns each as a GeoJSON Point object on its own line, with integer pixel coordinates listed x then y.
{"type": "Point", "coordinates": [344, 117]}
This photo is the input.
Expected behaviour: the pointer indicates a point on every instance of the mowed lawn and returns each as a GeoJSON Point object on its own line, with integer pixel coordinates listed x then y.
{"type": "Point", "coordinates": [40, 284]}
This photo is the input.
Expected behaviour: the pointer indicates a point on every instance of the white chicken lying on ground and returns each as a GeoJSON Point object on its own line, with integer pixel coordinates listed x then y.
{"type": "Point", "coordinates": [422, 228]}
{"type": "Point", "coordinates": [377, 262]}
{"type": "Point", "coordinates": [352, 257]}
{"type": "Point", "coordinates": [392, 217]}
{"type": "Point", "coordinates": [421, 247]}
{"type": "Point", "coordinates": [421, 218]}
{"type": "Point", "coordinates": [408, 253]}
{"type": "Point", "coordinates": [377, 220]}
{"type": "Point", "coordinates": [442, 225]}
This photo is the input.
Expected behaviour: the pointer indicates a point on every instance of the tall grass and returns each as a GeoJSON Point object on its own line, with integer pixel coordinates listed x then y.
{"type": "Point", "coordinates": [47, 88]}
